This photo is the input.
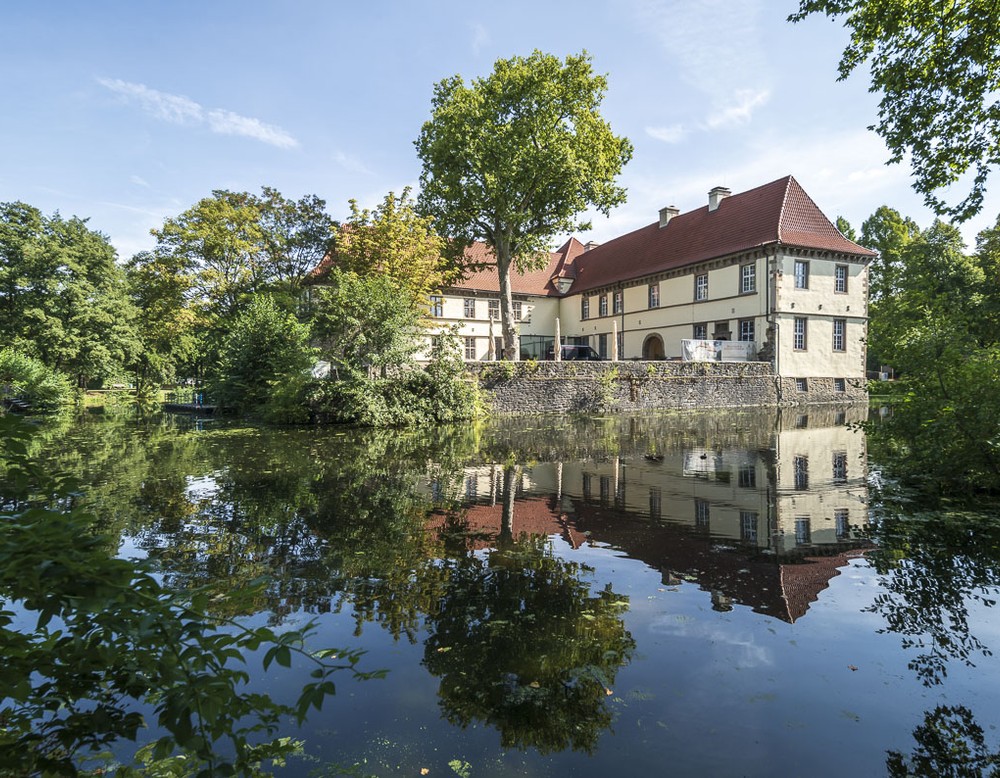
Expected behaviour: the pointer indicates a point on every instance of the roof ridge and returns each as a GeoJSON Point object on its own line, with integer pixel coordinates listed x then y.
{"type": "Point", "coordinates": [784, 202]}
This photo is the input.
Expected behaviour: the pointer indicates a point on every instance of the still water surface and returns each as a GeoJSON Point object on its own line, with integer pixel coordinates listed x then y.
{"type": "Point", "coordinates": [673, 594]}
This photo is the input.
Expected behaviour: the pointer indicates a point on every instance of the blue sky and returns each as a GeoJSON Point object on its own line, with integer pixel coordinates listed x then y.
{"type": "Point", "coordinates": [129, 112]}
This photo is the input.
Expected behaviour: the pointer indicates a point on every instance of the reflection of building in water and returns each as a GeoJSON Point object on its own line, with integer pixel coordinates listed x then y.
{"type": "Point", "coordinates": [765, 523]}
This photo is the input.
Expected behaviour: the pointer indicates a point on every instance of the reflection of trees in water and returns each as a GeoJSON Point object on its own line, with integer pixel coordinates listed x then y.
{"type": "Point", "coordinates": [520, 642]}
{"type": "Point", "coordinates": [949, 743]}
{"type": "Point", "coordinates": [933, 565]}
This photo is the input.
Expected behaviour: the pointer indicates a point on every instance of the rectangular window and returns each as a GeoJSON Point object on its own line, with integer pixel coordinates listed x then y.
{"type": "Point", "coordinates": [621, 345]}
{"type": "Point", "coordinates": [654, 295]}
{"type": "Point", "coordinates": [470, 348]}
{"type": "Point", "coordinates": [618, 303]}
{"type": "Point", "coordinates": [802, 532]}
{"type": "Point", "coordinates": [655, 503]}
{"type": "Point", "coordinates": [801, 274]}
{"type": "Point", "coordinates": [605, 489]}
{"type": "Point", "coordinates": [801, 385]}
{"type": "Point", "coordinates": [518, 309]}
{"type": "Point", "coordinates": [748, 279]}
{"type": "Point", "coordinates": [584, 307]}
{"type": "Point", "coordinates": [840, 279]}
{"type": "Point", "coordinates": [802, 421]}
{"type": "Point", "coordinates": [840, 521]}
{"type": "Point", "coordinates": [586, 486]}
{"type": "Point", "coordinates": [602, 345]}
{"type": "Point", "coordinates": [840, 334]}
{"type": "Point", "coordinates": [799, 334]}
{"type": "Point", "coordinates": [602, 305]}
{"type": "Point", "coordinates": [494, 310]}
{"type": "Point", "coordinates": [748, 477]}
{"type": "Point", "coordinates": [701, 286]}
{"type": "Point", "coordinates": [498, 346]}
{"type": "Point", "coordinates": [800, 468]}
{"type": "Point", "coordinates": [748, 526]}
{"type": "Point", "coordinates": [700, 331]}
{"type": "Point", "coordinates": [437, 306]}
{"type": "Point", "coordinates": [746, 330]}
{"type": "Point", "coordinates": [840, 467]}
{"type": "Point", "coordinates": [471, 487]}
{"type": "Point", "coordinates": [839, 385]}
{"type": "Point", "coordinates": [702, 514]}
{"type": "Point", "coordinates": [470, 308]}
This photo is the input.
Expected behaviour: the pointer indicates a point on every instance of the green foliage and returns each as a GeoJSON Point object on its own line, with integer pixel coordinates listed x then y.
{"type": "Point", "coordinates": [233, 245]}
{"type": "Point", "coordinates": [87, 638]}
{"type": "Point", "coordinates": [63, 297]}
{"type": "Point", "coordinates": [513, 158]}
{"type": "Point", "coordinates": [26, 378]}
{"type": "Point", "coordinates": [932, 323]}
{"type": "Point", "coordinates": [949, 743]}
{"type": "Point", "coordinates": [936, 67]}
{"type": "Point", "coordinates": [396, 242]}
{"type": "Point", "coordinates": [365, 324]}
{"type": "Point", "coordinates": [264, 348]}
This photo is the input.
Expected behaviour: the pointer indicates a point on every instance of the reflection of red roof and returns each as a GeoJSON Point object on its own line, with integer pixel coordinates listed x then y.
{"type": "Point", "coordinates": [768, 585]}
{"type": "Point", "coordinates": [535, 516]}
{"type": "Point", "coordinates": [537, 282]}
{"type": "Point", "coordinates": [776, 213]}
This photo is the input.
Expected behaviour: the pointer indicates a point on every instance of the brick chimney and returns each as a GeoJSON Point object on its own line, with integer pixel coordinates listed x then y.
{"type": "Point", "coordinates": [716, 196]}
{"type": "Point", "coordinates": [668, 213]}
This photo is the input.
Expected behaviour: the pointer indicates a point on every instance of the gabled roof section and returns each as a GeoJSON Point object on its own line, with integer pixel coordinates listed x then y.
{"type": "Point", "coordinates": [536, 282]}
{"type": "Point", "coordinates": [776, 213]}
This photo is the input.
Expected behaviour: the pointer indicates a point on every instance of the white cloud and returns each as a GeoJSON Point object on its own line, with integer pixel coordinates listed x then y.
{"type": "Point", "coordinates": [480, 38]}
{"type": "Point", "coordinates": [178, 109]}
{"type": "Point", "coordinates": [229, 123]}
{"type": "Point", "coordinates": [672, 134]}
{"type": "Point", "coordinates": [351, 163]}
{"type": "Point", "coordinates": [160, 105]}
{"type": "Point", "coordinates": [139, 181]}
{"type": "Point", "coordinates": [739, 111]}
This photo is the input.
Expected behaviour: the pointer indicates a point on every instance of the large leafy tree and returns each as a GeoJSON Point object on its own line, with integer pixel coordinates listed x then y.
{"type": "Point", "coordinates": [396, 242]}
{"type": "Point", "coordinates": [514, 158]}
{"type": "Point", "coordinates": [237, 244]}
{"type": "Point", "coordinates": [936, 64]}
{"type": "Point", "coordinates": [63, 296]}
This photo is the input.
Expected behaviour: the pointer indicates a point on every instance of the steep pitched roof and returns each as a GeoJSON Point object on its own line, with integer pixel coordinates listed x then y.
{"type": "Point", "coordinates": [776, 213]}
{"type": "Point", "coordinates": [537, 282]}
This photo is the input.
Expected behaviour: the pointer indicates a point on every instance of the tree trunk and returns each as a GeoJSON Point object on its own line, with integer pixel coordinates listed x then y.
{"type": "Point", "coordinates": [511, 341]}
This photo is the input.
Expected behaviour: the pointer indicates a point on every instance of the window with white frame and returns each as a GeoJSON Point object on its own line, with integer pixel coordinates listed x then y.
{"type": "Point", "coordinates": [841, 522]}
{"type": "Point", "coordinates": [655, 503]}
{"type": "Point", "coordinates": [839, 385]}
{"type": "Point", "coordinates": [840, 467]}
{"type": "Point", "coordinates": [800, 472]}
{"type": "Point", "coordinates": [470, 348]}
{"type": "Point", "coordinates": [470, 308]}
{"type": "Point", "coordinates": [621, 345]}
{"type": "Point", "coordinates": [702, 514]}
{"type": "Point", "coordinates": [748, 477]}
{"type": "Point", "coordinates": [839, 334]}
{"type": "Point", "coordinates": [803, 534]}
{"type": "Point", "coordinates": [701, 286]}
{"type": "Point", "coordinates": [801, 274]}
{"type": "Point", "coordinates": [618, 304]}
{"type": "Point", "coordinates": [585, 307]}
{"type": "Point", "coordinates": [654, 295]}
{"type": "Point", "coordinates": [701, 332]}
{"type": "Point", "coordinates": [799, 334]}
{"type": "Point", "coordinates": [437, 306]}
{"type": "Point", "coordinates": [602, 345]}
{"type": "Point", "coordinates": [748, 279]}
{"type": "Point", "coordinates": [840, 279]}
{"type": "Point", "coordinates": [494, 311]}
{"type": "Point", "coordinates": [602, 305]}
{"type": "Point", "coordinates": [518, 309]}
{"type": "Point", "coordinates": [747, 333]}
{"type": "Point", "coordinates": [748, 526]}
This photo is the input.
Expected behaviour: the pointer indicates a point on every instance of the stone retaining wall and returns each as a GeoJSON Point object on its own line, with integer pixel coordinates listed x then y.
{"type": "Point", "coordinates": [552, 387]}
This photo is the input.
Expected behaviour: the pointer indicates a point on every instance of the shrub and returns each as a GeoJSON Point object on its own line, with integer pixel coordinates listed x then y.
{"type": "Point", "coordinates": [26, 378]}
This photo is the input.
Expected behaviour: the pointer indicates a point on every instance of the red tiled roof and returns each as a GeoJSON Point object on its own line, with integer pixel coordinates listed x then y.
{"type": "Point", "coordinates": [776, 213]}
{"type": "Point", "coordinates": [537, 282]}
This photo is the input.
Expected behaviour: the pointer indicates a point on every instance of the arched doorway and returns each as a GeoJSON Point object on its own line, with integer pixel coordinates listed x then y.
{"type": "Point", "coordinates": [652, 348]}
